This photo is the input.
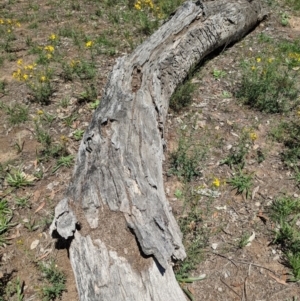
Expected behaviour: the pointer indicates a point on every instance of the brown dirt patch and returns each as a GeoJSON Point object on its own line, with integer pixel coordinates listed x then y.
{"type": "Point", "coordinates": [295, 23]}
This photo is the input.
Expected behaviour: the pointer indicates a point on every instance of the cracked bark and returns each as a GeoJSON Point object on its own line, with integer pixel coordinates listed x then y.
{"type": "Point", "coordinates": [124, 235]}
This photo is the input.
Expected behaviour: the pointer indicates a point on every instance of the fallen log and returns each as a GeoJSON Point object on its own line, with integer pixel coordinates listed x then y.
{"type": "Point", "coordinates": [123, 235]}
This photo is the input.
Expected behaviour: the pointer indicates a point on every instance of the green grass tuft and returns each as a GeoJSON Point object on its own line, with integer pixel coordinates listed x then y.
{"type": "Point", "coordinates": [182, 97]}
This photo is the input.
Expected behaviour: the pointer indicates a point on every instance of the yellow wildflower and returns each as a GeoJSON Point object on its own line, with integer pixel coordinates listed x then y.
{"type": "Point", "coordinates": [53, 37]}
{"type": "Point", "coordinates": [253, 68]}
{"type": "Point", "coordinates": [295, 56]}
{"type": "Point", "coordinates": [25, 76]}
{"type": "Point", "coordinates": [1, 21]}
{"type": "Point", "coordinates": [49, 56]}
{"type": "Point", "coordinates": [253, 136]}
{"type": "Point", "coordinates": [39, 112]}
{"type": "Point", "coordinates": [49, 48]}
{"type": "Point", "coordinates": [9, 30]}
{"type": "Point", "coordinates": [258, 59]}
{"type": "Point", "coordinates": [270, 60]}
{"type": "Point", "coordinates": [43, 78]}
{"type": "Point", "coordinates": [17, 74]}
{"type": "Point", "coordinates": [149, 3]}
{"type": "Point", "coordinates": [89, 44]}
{"type": "Point", "coordinates": [20, 62]}
{"type": "Point", "coordinates": [29, 67]}
{"type": "Point", "coordinates": [63, 138]}
{"type": "Point", "coordinates": [18, 24]}
{"type": "Point", "coordinates": [216, 182]}
{"type": "Point", "coordinates": [137, 5]}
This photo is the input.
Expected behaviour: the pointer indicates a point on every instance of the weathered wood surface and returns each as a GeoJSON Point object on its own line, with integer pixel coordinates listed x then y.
{"type": "Point", "coordinates": [122, 230]}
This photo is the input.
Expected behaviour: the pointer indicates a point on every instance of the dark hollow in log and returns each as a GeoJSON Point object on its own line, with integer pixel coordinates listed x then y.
{"type": "Point", "coordinates": [124, 235]}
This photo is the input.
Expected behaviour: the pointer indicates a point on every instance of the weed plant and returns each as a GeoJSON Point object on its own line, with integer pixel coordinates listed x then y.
{"type": "Point", "coordinates": [182, 97]}
{"type": "Point", "coordinates": [78, 134]}
{"type": "Point", "coordinates": [65, 102]}
{"type": "Point", "coordinates": [268, 86]}
{"type": "Point", "coordinates": [56, 281]}
{"type": "Point", "coordinates": [46, 117]}
{"type": "Point", "coordinates": [218, 74]}
{"type": "Point", "coordinates": [288, 133]}
{"type": "Point", "coordinates": [285, 213]}
{"type": "Point", "coordinates": [22, 202]}
{"type": "Point", "coordinates": [18, 179]}
{"type": "Point", "coordinates": [50, 149]}
{"type": "Point", "coordinates": [283, 207]}
{"type": "Point", "coordinates": [242, 182]}
{"type": "Point", "coordinates": [19, 289]}
{"type": "Point", "coordinates": [290, 52]}
{"type": "Point", "coordinates": [4, 208]}
{"type": "Point", "coordinates": [89, 95]}
{"type": "Point", "coordinates": [38, 80]}
{"type": "Point", "coordinates": [19, 145]}
{"type": "Point", "coordinates": [68, 121]}
{"type": "Point", "coordinates": [66, 161]}
{"type": "Point", "coordinates": [17, 113]}
{"type": "Point", "coordinates": [83, 69]}
{"type": "Point", "coordinates": [2, 83]}
{"type": "Point", "coordinates": [294, 4]}
{"type": "Point", "coordinates": [185, 160]}
{"type": "Point", "coordinates": [244, 240]}
{"type": "Point", "coordinates": [94, 105]}
{"type": "Point", "coordinates": [6, 215]}
{"type": "Point", "coordinates": [237, 155]}
{"type": "Point", "coordinates": [30, 225]}
{"type": "Point", "coordinates": [13, 290]}
{"type": "Point", "coordinates": [195, 235]}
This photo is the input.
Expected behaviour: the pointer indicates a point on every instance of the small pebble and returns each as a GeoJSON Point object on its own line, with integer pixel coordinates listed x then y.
{"type": "Point", "coordinates": [214, 246]}
{"type": "Point", "coordinates": [34, 244]}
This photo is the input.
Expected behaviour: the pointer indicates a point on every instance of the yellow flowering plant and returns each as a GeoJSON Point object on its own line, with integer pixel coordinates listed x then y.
{"type": "Point", "coordinates": [53, 39]}
{"type": "Point", "coordinates": [69, 69]}
{"type": "Point", "coordinates": [80, 68]}
{"type": "Point", "coordinates": [253, 136]}
{"type": "Point", "coordinates": [293, 60]}
{"type": "Point", "coordinates": [148, 5]}
{"type": "Point", "coordinates": [216, 183]}
{"type": "Point", "coordinates": [37, 79]}
{"type": "Point", "coordinates": [265, 84]}
{"type": "Point", "coordinates": [9, 24]}
{"type": "Point", "coordinates": [89, 44]}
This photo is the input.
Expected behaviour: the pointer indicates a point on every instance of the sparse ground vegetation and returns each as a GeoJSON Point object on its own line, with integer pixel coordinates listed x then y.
{"type": "Point", "coordinates": [234, 126]}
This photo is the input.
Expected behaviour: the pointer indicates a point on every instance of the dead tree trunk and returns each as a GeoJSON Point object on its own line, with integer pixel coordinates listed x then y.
{"type": "Point", "coordinates": [122, 231]}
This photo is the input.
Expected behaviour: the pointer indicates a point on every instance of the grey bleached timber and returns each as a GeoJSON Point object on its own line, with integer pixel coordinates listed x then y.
{"type": "Point", "coordinates": [124, 235]}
